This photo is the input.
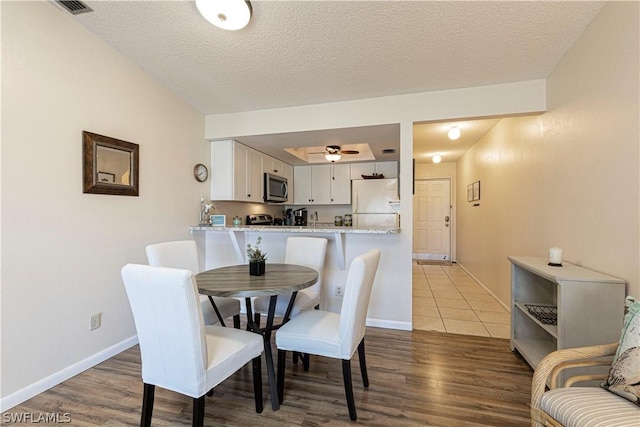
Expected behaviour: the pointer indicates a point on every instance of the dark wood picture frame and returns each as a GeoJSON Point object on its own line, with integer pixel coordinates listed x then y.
{"type": "Point", "coordinates": [95, 146]}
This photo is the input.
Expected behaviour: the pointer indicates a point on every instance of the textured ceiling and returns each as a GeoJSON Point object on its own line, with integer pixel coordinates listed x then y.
{"type": "Point", "coordinates": [307, 52]}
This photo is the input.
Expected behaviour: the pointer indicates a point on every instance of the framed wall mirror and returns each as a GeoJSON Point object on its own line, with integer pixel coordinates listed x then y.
{"type": "Point", "coordinates": [109, 165]}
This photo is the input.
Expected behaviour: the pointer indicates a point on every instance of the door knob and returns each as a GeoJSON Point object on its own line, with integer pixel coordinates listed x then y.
{"type": "Point", "coordinates": [446, 218]}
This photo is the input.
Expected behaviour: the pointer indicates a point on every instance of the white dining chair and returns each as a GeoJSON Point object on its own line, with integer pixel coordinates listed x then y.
{"type": "Point", "coordinates": [178, 351]}
{"type": "Point", "coordinates": [307, 251]}
{"type": "Point", "coordinates": [184, 254]}
{"type": "Point", "coordinates": [334, 335]}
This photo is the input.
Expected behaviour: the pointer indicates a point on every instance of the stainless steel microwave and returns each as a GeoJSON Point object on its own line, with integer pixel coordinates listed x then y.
{"type": "Point", "coordinates": [276, 188]}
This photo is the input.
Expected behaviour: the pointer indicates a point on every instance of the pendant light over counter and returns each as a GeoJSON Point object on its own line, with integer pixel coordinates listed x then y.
{"type": "Point", "coordinates": [226, 14]}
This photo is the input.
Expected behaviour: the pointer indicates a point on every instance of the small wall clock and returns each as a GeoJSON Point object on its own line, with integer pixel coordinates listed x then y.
{"type": "Point", "coordinates": [200, 172]}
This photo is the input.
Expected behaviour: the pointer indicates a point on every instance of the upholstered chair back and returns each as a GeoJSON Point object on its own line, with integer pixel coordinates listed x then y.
{"type": "Point", "coordinates": [168, 318]}
{"type": "Point", "coordinates": [353, 314]}
{"type": "Point", "coordinates": [310, 252]}
{"type": "Point", "coordinates": [179, 254]}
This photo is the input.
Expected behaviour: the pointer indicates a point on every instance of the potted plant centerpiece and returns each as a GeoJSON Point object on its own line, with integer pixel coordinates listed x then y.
{"type": "Point", "coordinates": [257, 258]}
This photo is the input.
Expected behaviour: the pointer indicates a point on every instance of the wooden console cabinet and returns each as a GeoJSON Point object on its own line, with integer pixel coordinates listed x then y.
{"type": "Point", "coordinates": [590, 307]}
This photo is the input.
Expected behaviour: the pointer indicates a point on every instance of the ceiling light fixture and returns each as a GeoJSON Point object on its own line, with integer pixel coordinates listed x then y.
{"type": "Point", "coordinates": [226, 14]}
{"type": "Point", "coordinates": [454, 132]}
{"type": "Point", "coordinates": [437, 158]}
{"type": "Point", "coordinates": [332, 157]}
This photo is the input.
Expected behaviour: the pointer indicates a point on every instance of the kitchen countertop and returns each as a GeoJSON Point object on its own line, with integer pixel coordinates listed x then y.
{"type": "Point", "coordinates": [319, 228]}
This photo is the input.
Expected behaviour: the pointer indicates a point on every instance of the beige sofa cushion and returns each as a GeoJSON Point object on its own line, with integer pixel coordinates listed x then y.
{"type": "Point", "coordinates": [589, 407]}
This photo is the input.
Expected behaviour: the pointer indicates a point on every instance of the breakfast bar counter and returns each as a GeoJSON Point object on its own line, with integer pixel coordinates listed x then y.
{"type": "Point", "coordinates": [238, 235]}
{"type": "Point", "coordinates": [320, 228]}
{"type": "Point", "coordinates": [220, 246]}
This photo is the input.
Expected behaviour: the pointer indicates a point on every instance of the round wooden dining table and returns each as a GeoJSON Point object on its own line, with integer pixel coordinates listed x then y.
{"type": "Point", "coordinates": [278, 279]}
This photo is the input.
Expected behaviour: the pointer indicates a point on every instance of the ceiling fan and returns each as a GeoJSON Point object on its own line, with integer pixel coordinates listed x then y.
{"type": "Point", "coordinates": [333, 152]}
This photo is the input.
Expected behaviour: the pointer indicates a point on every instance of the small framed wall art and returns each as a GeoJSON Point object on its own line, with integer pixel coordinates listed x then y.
{"type": "Point", "coordinates": [473, 192]}
{"type": "Point", "coordinates": [476, 190]}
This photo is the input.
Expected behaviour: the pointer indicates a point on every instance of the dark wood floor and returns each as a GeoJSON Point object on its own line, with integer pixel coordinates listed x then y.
{"type": "Point", "coordinates": [416, 378]}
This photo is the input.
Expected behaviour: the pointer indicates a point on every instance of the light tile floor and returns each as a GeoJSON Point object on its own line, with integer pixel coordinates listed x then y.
{"type": "Point", "coordinates": [447, 299]}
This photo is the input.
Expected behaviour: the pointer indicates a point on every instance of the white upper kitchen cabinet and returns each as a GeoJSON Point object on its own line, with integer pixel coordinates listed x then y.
{"type": "Point", "coordinates": [236, 172]}
{"type": "Point", "coordinates": [340, 184]}
{"type": "Point", "coordinates": [273, 165]}
{"type": "Point", "coordinates": [280, 168]}
{"type": "Point", "coordinates": [322, 185]}
{"type": "Point", "coordinates": [254, 172]}
{"type": "Point", "coordinates": [302, 188]}
{"type": "Point", "coordinates": [308, 189]}
{"type": "Point", "coordinates": [388, 169]}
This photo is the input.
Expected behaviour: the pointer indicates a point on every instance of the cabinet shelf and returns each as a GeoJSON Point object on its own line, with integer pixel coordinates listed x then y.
{"type": "Point", "coordinates": [534, 350]}
{"type": "Point", "coordinates": [550, 329]}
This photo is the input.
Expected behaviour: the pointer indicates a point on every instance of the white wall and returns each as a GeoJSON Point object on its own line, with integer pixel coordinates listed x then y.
{"type": "Point", "coordinates": [567, 178]}
{"type": "Point", "coordinates": [485, 101]}
{"type": "Point", "coordinates": [62, 249]}
{"type": "Point", "coordinates": [428, 170]}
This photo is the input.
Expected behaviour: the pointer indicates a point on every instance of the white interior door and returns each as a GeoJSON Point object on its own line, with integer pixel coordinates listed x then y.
{"type": "Point", "coordinates": [432, 219]}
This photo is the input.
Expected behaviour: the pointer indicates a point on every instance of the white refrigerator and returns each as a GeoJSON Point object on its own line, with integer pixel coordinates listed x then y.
{"type": "Point", "coordinates": [370, 203]}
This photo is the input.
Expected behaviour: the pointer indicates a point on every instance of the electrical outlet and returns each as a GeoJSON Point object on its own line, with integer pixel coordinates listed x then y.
{"type": "Point", "coordinates": [95, 321]}
{"type": "Point", "coordinates": [339, 290]}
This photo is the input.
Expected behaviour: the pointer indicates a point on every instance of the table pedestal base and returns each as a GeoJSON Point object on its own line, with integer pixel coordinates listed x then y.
{"type": "Point", "coordinates": [266, 336]}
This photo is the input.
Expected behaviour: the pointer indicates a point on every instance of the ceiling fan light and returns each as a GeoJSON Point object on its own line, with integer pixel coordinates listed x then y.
{"type": "Point", "coordinates": [332, 157]}
{"type": "Point", "coordinates": [226, 14]}
{"type": "Point", "coordinates": [437, 158]}
{"type": "Point", "coordinates": [454, 133]}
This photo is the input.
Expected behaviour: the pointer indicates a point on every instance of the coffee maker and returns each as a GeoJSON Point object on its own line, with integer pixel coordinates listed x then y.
{"type": "Point", "coordinates": [300, 216]}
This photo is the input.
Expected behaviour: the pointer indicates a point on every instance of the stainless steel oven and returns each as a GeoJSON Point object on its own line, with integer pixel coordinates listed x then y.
{"type": "Point", "coordinates": [276, 188]}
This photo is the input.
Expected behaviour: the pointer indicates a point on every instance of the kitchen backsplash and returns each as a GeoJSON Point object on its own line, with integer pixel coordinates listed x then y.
{"type": "Point", "coordinates": [241, 209]}
{"type": "Point", "coordinates": [326, 213]}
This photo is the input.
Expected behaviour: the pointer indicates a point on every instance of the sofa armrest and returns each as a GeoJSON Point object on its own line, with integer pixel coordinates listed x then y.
{"type": "Point", "coordinates": [562, 359]}
{"type": "Point", "coordinates": [555, 372]}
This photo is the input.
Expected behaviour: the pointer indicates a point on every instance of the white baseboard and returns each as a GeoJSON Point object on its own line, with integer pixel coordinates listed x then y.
{"type": "Point", "coordinates": [44, 384]}
{"type": "Point", "coordinates": [506, 307]}
{"type": "Point", "coordinates": [430, 257]}
{"type": "Point", "coordinates": [389, 324]}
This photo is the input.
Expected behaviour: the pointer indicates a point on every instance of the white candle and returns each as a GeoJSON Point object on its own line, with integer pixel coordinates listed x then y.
{"type": "Point", "coordinates": [555, 255]}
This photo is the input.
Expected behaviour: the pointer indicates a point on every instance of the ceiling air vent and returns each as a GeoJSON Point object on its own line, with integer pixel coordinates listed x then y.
{"type": "Point", "coordinates": [389, 151]}
{"type": "Point", "coordinates": [74, 7]}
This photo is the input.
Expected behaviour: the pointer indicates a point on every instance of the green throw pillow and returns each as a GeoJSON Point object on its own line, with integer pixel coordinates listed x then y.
{"type": "Point", "coordinates": [624, 375]}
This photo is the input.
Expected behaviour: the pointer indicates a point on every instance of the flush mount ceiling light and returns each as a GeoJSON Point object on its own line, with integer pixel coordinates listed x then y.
{"type": "Point", "coordinates": [454, 132]}
{"type": "Point", "coordinates": [332, 157]}
{"type": "Point", "coordinates": [437, 158]}
{"type": "Point", "coordinates": [226, 14]}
